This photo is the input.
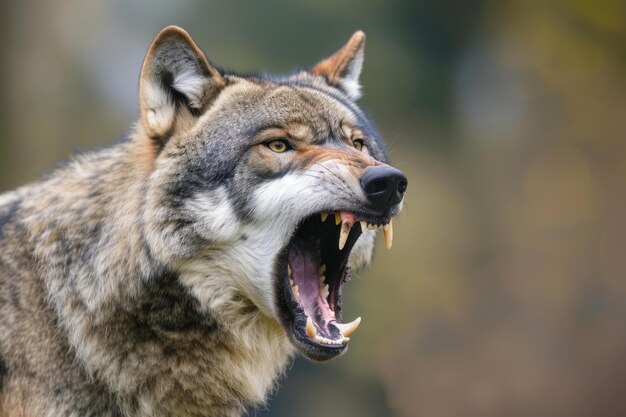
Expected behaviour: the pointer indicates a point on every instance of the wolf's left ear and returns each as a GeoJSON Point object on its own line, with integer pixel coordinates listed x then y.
{"type": "Point", "coordinates": [175, 76]}
{"type": "Point", "coordinates": [343, 68]}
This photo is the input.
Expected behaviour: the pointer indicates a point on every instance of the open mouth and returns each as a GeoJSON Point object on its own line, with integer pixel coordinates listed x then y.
{"type": "Point", "coordinates": [316, 269]}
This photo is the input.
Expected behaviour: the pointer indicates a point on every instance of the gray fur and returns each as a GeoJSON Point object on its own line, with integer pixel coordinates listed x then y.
{"type": "Point", "coordinates": [139, 280]}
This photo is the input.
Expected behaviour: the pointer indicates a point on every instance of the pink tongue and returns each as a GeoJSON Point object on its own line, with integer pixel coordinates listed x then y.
{"type": "Point", "coordinates": [304, 262]}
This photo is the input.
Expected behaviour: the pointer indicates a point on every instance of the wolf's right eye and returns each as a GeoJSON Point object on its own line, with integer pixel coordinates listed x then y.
{"type": "Point", "coordinates": [358, 144]}
{"type": "Point", "coordinates": [278, 145]}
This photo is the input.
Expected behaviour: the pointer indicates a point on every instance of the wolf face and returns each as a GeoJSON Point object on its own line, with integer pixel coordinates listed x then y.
{"type": "Point", "coordinates": [265, 189]}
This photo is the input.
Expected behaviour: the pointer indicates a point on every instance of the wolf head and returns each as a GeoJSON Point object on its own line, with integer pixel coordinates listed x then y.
{"type": "Point", "coordinates": [264, 191]}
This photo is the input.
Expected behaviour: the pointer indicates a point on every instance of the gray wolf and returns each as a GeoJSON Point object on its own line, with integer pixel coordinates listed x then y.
{"type": "Point", "coordinates": [178, 272]}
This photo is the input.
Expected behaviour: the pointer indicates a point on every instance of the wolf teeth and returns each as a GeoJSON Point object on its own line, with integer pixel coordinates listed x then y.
{"type": "Point", "coordinates": [324, 216]}
{"type": "Point", "coordinates": [348, 328]}
{"type": "Point", "coordinates": [325, 341]}
{"type": "Point", "coordinates": [388, 230]}
{"type": "Point", "coordinates": [311, 331]}
{"type": "Point", "coordinates": [325, 291]}
{"type": "Point", "coordinates": [343, 236]}
{"type": "Point", "coordinates": [296, 292]}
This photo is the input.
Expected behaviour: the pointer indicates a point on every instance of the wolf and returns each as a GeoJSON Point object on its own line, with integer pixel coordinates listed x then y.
{"type": "Point", "coordinates": [178, 272]}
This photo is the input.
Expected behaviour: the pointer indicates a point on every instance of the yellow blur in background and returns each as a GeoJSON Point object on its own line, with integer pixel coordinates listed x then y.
{"type": "Point", "coordinates": [505, 292]}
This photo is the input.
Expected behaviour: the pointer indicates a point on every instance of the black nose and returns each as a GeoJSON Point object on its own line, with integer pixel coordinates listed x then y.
{"type": "Point", "coordinates": [384, 186]}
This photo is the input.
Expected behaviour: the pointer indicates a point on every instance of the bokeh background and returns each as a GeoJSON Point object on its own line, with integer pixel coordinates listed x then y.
{"type": "Point", "coordinates": [505, 292]}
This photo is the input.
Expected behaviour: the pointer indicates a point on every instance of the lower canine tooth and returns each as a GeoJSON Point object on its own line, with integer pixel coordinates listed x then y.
{"type": "Point", "coordinates": [348, 328]}
{"type": "Point", "coordinates": [388, 235]}
{"type": "Point", "coordinates": [311, 331]}
{"type": "Point", "coordinates": [363, 225]}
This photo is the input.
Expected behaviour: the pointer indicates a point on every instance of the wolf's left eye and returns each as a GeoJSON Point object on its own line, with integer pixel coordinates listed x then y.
{"type": "Point", "coordinates": [278, 145]}
{"type": "Point", "coordinates": [358, 144]}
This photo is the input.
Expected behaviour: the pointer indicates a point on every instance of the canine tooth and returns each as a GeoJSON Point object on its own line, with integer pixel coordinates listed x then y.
{"type": "Point", "coordinates": [324, 216]}
{"type": "Point", "coordinates": [348, 328]}
{"type": "Point", "coordinates": [363, 225]}
{"type": "Point", "coordinates": [311, 331]}
{"type": "Point", "coordinates": [389, 234]}
{"type": "Point", "coordinates": [337, 219]}
{"type": "Point", "coordinates": [321, 270]}
{"type": "Point", "coordinates": [289, 270]}
{"type": "Point", "coordinates": [343, 236]}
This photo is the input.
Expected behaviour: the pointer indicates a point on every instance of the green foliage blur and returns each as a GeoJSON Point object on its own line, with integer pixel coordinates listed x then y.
{"type": "Point", "coordinates": [505, 292]}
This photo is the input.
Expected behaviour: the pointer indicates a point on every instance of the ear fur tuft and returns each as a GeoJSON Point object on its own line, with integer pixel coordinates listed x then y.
{"type": "Point", "coordinates": [343, 68]}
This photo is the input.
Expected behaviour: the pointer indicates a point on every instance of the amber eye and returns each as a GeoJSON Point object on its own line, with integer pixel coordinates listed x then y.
{"type": "Point", "coordinates": [358, 144]}
{"type": "Point", "coordinates": [278, 145]}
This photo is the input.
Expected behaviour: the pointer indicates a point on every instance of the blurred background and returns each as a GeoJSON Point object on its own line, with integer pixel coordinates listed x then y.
{"type": "Point", "coordinates": [505, 292]}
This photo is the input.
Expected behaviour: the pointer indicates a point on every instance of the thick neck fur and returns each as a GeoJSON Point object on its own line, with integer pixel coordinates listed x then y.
{"type": "Point", "coordinates": [129, 319]}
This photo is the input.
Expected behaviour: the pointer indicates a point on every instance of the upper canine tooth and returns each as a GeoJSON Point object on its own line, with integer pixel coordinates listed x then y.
{"type": "Point", "coordinates": [311, 331]}
{"type": "Point", "coordinates": [348, 328]}
{"type": "Point", "coordinates": [343, 236]}
{"type": "Point", "coordinates": [363, 225]}
{"type": "Point", "coordinates": [321, 270]}
{"type": "Point", "coordinates": [337, 219]}
{"type": "Point", "coordinates": [389, 234]}
{"type": "Point", "coordinates": [324, 216]}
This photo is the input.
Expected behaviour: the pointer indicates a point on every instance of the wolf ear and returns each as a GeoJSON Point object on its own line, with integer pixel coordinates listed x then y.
{"type": "Point", "coordinates": [175, 75]}
{"type": "Point", "coordinates": [343, 68]}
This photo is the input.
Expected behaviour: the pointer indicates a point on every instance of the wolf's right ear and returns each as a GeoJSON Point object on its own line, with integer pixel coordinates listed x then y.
{"type": "Point", "coordinates": [175, 73]}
